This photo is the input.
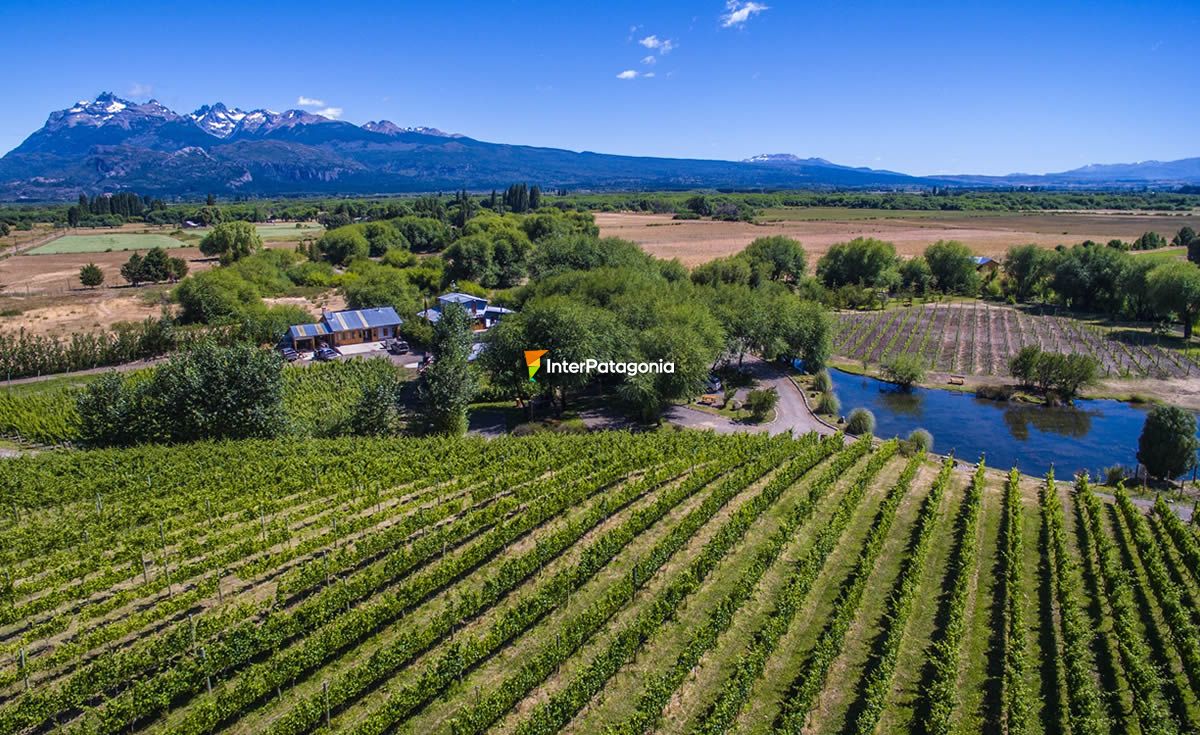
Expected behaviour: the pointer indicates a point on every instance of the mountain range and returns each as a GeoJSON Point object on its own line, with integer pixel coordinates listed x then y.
{"type": "Point", "coordinates": [110, 144]}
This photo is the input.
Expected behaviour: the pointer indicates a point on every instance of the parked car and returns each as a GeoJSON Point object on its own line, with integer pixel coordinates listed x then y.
{"type": "Point", "coordinates": [289, 354]}
{"type": "Point", "coordinates": [713, 384]}
{"type": "Point", "coordinates": [326, 353]}
{"type": "Point", "coordinates": [398, 347]}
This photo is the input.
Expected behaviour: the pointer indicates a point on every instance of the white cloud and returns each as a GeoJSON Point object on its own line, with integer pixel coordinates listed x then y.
{"type": "Point", "coordinates": [648, 60]}
{"type": "Point", "coordinates": [661, 45]}
{"type": "Point", "coordinates": [628, 74]}
{"type": "Point", "coordinates": [740, 12]}
{"type": "Point", "coordinates": [649, 75]}
{"type": "Point", "coordinates": [332, 113]}
{"type": "Point", "coordinates": [309, 102]}
{"type": "Point", "coordinates": [137, 89]}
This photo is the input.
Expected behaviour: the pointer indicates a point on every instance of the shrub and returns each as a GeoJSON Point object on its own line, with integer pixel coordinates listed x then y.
{"type": "Point", "coordinates": [231, 241]}
{"type": "Point", "coordinates": [994, 392]}
{"type": "Point", "coordinates": [761, 402]}
{"type": "Point", "coordinates": [904, 370]}
{"type": "Point", "coordinates": [828, 404]}
{"type": "Point", "coordinates": [1117, 474]}
{"type": "Point", "coordinates": [921, 439]}
{"type": "Point", "coordinates": [822, 382]}
{"type": "Point", "coordinates": [861, 422]}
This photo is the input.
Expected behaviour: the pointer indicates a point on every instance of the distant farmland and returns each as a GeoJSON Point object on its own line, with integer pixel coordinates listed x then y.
{"type": "Point", "coordinates": [102, 243]}
{"type": "Point", "coordinates": [671, 582]}
{"type": "Point", "coordinates": [986, 233]}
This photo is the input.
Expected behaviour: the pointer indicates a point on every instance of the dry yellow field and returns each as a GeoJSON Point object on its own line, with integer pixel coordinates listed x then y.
{"type": "Point", "coordinates": [697, 241]}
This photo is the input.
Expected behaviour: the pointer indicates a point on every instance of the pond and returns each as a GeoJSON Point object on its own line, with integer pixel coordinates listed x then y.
{"type": "Point", "coordinates": [1091, 435]}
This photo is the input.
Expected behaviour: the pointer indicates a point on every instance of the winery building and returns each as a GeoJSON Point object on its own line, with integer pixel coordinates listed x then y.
{"type": "Point", "coordinates": [338, 328]}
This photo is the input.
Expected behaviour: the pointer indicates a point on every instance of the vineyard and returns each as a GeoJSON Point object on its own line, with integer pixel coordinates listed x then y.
{"type": "Point", "coordinates": [978, 338]}
{"type": "Point", "coordinates": [674, 582]}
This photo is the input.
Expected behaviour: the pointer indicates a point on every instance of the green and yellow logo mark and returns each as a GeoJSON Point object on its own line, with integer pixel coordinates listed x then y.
{"type": "Point", "coordinates": [533, 359]}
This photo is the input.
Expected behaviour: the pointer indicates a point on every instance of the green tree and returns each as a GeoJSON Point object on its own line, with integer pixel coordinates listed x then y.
{"type": "Point", "coordinates": [1029, 268]}
{"type": "Point", "coordinates": [424, 234]}
{"type": "Point", "coordinates": [342, 245]}
{"type": "Point", "coordinates": [1023, 365]}
{"type": "Point", "coordinates": [1174, 288]}
{"type": "Point", "coordinates": [449, 383]}
{"type": "Point", "coordinates": [953, 267]}
{"type": "Point", "coordinates": [1149, 241]}
{"type": "Point", "coordinates": [131, 271]}
{"type": "Point", "coordinates": [777, 257]}
{"type": "Point", "coordinates": [1186, 238]}
{"type": "Point", "coordinates": [215, 296]}
{"type": "Point", "coordinates": [91, 276]}
{"type": "Point", "coordinates": [915, 276]}
{"type": "Point", "coordinates": [860, 262]}
{"type": "Point", "coordinates": [156, 265]}
{"type": "Point", "coordinates": [1167, 445]}
{"type": "Point", "coordinates": [760, 402]}
{"type": "Point", "coordinates": [231, 241]}
{"type": "Point", "coordinates": [382, 237]}
{"type": "Point", "coordinates": [369, 285]}
{"type": "Point", "coordinates": [208, 392]}
{"type": "Point", "coordinates": [904, 370]}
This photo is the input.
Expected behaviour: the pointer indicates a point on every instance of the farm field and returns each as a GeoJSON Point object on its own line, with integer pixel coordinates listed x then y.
{"type": "Point", "coordinates": [670, 582]}
{"type": "Point", "coordinates": [275, 231]}
{"type": "Point", "coordinates": [698, 241]}
{"type": "Point", "coordinates": [100, 243]}
{"type": "Point", "coordinates": [978, 338]}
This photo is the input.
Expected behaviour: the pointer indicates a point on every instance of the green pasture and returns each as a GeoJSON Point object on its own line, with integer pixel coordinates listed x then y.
{"type": "Point", "coordinates": [103, 243]}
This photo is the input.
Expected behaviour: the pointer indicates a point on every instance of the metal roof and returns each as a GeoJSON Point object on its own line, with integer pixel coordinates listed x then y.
{"type": "Point", "coordinates": [459, 298]}
{"type": "Point", "coordinates": [307, 330]}
{"type": "Point", "coordinates": [983, 260]}
{"type": "Point", "coordinates": [341, 321]}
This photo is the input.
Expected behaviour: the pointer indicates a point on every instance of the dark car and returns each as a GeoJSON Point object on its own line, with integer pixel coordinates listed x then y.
{"type": "Point", "coordinates": [326, 353]}
{"type": "Point", "coordinates": [398, 347]}
{"type": "Point", "coordinates": [289, 354]}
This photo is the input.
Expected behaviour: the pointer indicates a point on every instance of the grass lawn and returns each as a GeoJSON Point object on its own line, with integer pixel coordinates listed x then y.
{"type": "Point", "coordinates": [275, 231]}
{"type": "Point", "coordinates": [103, 243]}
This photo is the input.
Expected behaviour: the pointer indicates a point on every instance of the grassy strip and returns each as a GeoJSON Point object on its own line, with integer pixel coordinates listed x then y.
{"type": "Point", "coordinates": [1148, 701]}
{"type": "Point", "coordinates": [1087, 708]}
{"type": "Point", "coordinates": [877, 683]}
{"type": "Point", "coordinates": [1017, 705]}
{"type": "Point", "coordinates": [811, 680]}
{"type": "Point", "coordinates": [941, 698]}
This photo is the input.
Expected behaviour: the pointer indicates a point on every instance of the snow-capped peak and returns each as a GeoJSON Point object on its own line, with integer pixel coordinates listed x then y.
{"type": "Point", "coordinates": [108, 109]}
{"type": "Point", "coordinates": [218, 119]}
{"type": "Point", "coordinates": [387, 127]}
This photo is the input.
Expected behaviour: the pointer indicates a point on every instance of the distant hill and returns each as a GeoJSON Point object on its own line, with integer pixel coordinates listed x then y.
{"type": "Point", "coordinates": [1185, 171]}
{"type": "Point", "coordinates": [110, 144]}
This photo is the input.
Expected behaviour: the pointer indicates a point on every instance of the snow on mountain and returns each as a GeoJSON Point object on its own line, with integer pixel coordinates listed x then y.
{"type": "Point", "coordinates": [218, 119]}
{"type": "Point", "coordinates": [786, 158]}
{"type": "Point", "coordinates": [387, 127]}
{"type": "Point", "coordinates": [108, 109]}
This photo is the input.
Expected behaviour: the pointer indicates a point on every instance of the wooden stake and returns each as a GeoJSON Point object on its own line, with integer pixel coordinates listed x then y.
{"type": "Point", "coordinates": [325, 696]}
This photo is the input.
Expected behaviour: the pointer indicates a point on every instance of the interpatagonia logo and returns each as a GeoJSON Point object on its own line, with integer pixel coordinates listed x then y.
{"type": "Point", "coordinates": [533, 360]}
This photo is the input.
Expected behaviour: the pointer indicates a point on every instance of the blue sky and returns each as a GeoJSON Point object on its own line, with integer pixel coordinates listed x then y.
{"type": "Point", "coordinates": [935, 88]}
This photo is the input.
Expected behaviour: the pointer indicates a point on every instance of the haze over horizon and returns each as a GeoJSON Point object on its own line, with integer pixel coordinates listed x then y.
{"type": "Point", "coordinates": [932, 90]}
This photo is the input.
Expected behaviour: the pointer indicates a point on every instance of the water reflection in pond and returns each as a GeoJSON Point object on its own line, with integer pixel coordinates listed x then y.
{"type": "Point", "coordinates": [1090, 435]}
